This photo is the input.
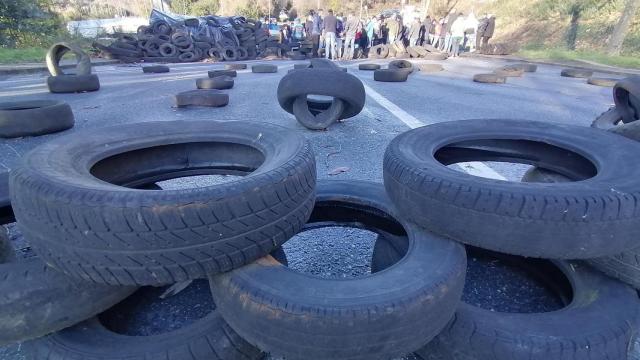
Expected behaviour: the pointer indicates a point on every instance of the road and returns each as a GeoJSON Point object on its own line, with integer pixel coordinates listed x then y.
{"type": "Point", "coordinates": [357, 144]}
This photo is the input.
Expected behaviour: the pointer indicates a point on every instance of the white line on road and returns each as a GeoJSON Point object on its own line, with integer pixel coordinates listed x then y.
{"type": "Point", "coordinates": [473, 168]}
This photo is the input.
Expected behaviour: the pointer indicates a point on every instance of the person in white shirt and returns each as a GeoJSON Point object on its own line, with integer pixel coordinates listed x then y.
{"type": "Point", "coordinates": [457, 34]}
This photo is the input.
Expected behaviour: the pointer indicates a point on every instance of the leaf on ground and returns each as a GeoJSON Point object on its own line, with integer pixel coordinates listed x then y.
{"type": "Point", "coordinates": [338, 170]}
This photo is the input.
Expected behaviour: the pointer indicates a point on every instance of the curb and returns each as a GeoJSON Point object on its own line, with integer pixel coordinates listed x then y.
{"type": "Point", "coordinates": [43, 68]}
{"type": "Point", "coordinates": [607, 69]}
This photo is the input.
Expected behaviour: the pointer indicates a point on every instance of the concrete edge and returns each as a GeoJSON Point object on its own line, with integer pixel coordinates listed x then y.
{"type": "Point", "coordinates": [587, 65]}
{"type": "Point", "coordinates": [43, 68]}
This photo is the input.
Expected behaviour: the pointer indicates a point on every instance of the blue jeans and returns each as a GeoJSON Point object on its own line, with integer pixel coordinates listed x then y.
{"type": "Point", "coordinates": [330, 45]}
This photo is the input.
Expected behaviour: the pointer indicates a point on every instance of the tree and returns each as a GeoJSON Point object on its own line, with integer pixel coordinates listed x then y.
{"type": "Point", "coordinates": [26, 23]}
{"type": "Point", "coordinates": [205, 7]}
{"type": "Point", "coordinates": [614, 47]}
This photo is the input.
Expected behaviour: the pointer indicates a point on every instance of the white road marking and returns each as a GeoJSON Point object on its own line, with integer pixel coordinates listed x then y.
{"type": "Point", "coordinates": [473, 168]}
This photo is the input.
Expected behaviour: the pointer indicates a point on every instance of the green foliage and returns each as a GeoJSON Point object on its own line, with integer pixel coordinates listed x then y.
{"type": "Point", "coordinates": [251, 10]}
{"type": "Point", "coordinates": [12, 56]}
{"type": "Point", "coordinates": [205, 7]}
{"type": "Point", "coordinates": [26, 23]}
{"type": "Point", "coordinates": [593, 56]}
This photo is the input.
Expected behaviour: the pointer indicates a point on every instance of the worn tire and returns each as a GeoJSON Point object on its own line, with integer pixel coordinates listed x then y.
{"type": "Point", "coordinates": [577, 220]}
{"type": "Point", "coordinates": [302, 317]}
{"type": "Point", "coordinates": [32, 118]}
{"type": "Point", "coordinates": [301, 66]}
{"type": "Point", "coordinates": [37, 300]}
{"type": "Point", "coordinates": [435, 56]}
{"type": "Point", "coordinates": [379, 51]}
{"type": "Point", "coordinates": [317, 115]}
{"type": "Point", "coordinates": [73, 83]}
{"type": "Point", "coordinates": [605, 82]}
{"type": "Point", "coordinates": [429, 68]}
{"type": "Point", "coordinates": [187, 57]}
{"type": "Point", "coordinates": [509, 71]}
{"type": "Point", "coordinates": [401, 65]}
{"type": "Point", "coordinates": [206, 97]}
{"type": "Point", "coordinates": [626, 96]}
{"type": "Point", "coordinates": [576, 331]}
{"type": "Point", "coordinates": [608, 119]}
{"type": "Point", "coordinates": [216, 73]}
{"type": "Point", "coordinates": [264, 68]}
{"type": "Point", "coordinates": [57, 51]}
{"type": "Point", "coordinates": [87, 226]}
{"type": "Point", "coordinates": [319, 81]}
{"type": "Point", "coordinates": [218, 82]}
{"type": "Point", "coordinates": [235, 66]}
{"type": "Point", "coordinates": [155, 69]}
{"type": "Point", "coordinates": [368, 67]}
{"type": "Point", "coordinates": [489, 78]}
{"type": "Point", "coordinates": [576, 73]}
{"type": "Point", "coordinates": [391, 75]}
{"type": "Point", "coordinates": [168, 50]}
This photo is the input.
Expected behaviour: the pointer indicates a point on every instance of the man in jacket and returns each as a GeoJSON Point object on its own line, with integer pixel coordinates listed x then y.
{"type": "Point", "coordinates": [488, 31]}
{"type": "Point", "coordinates": [393, 29]}
{"type": "Point", "coordinates": [316, 30]}
{"type": "Point", "coordinates": [350, 29]}
{"type": "Point", "coordinates": [330, 25]}
{"type": "Point", "coordinates": [414, 31]}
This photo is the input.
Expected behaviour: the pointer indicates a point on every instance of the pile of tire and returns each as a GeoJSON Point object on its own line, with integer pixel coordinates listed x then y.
{"type": "Point", "coordinates": [82, 80]}
{"type": "Point", "coordinates": [163, 42]}
{"type": "Point", "coordinates": [501, 74]}
{"type": "Point", "coordinates": [396, 71]}
{"type": "Point", "coordinates": [320, 78]}
{"type": "Point", "coordinates": [399, 51]}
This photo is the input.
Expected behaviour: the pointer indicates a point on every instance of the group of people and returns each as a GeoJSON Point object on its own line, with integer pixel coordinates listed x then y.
{"type": "Point", "coordinates": [340, 36]}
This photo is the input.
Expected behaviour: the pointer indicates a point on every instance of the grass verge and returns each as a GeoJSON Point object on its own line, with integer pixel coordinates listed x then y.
{"type": "Point", "coordinates": [25, 55]}
{"type": "Point", "coordinates": [562, 54]}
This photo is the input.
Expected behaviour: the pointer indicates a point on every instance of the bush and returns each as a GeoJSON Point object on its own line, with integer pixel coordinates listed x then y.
{"type": "Point", "coordinates": [25, 23]}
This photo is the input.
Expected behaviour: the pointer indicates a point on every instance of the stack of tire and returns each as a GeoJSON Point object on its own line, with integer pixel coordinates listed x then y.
{"type": "Point", "coordinates": [500, 75]}
{"type": "Point", "coordinates": [161, 42]}
{"type": "Point", "coordinates": [82, 80]}
{"type": "Point", "coordinates": [397, 71]}
{"type": "Point", "coordinates": [398, 50]}
{"type": "Point", "coordinates": [319, 78]}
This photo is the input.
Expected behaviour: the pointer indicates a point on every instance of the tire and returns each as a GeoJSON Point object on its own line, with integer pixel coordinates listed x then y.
{"type": "Point", "coordinates": [576, 73]}
{"type": "Point", "coordinates": [528, 67]}
{"type": "Point", "coordinates": [420, 51]}
{"type": "Point", "coordinates": [243, 54]}
{"type": "Point", "coordinates": [202, 45]}
{"type": "Point", "coordinates": [210, 98]}
{"type": "Point", "coordinates": [181, 40]}
{"type": "Point", "coordinates": [605, 82]}
{"type": "Point", "coordinates": [402, 56]}
{"type": "Point", "coordinates": [207, 338]}
{"type": "Point", "coordinates": [216, 73]}
{"type": "Point", "coordinates": [155, 69]}
{"type": "Point", "coordinates": [435, 56]}
{"type": "Point", "coordinates": [187, 57]}
{"type": "Point", "coordinates": [122, 236]}
{"type": "Point", "coordinates": [368, 67]}
{"type": "Point", "coordinates": [391, 75]}
{"type": "Point", "coordinates": [229, 53]}
{"type": "Point", "coordinates": [608, 119]}
{"type": "Point", "coordinates": [509, 71]}
{"type": "Point", "coordinates": [57, 51]}
{"type": "Point", "coordinates": [322, 82]}
{"type": "Point", "coordinates": [379, 52]}
{"type": "Point", "coordinates": [489, 78]}
{"type": "Point", "coordinates": [215, 53]}
{"type": "Point", "coordinates": [429, 68]}
{"type": "Point", "coordinates": [321, 63]}
{"type": "Point", "coordinates": [301, 317]}
{"type": "Point", "coordinates": [317, 115]}
{"type": "Point", "coordinates": [38, 300]}
{"type": "Point", "coordinates": [33, 118]}
{"type": "Point", "coordinates": [73, 83]}
{"type": "Point", "coordinates": [168, 50]}
{"type": "Point", "coordinates": [412, 52]}
{"type": "Point", "coordinates": [161, 27]}
{"type": "Point", "coordinates": [218, 82]}
{"type": "Point", "coordinates": [626, 95]}
{"type": "Point", "coordinates": [578, 220]}
{"type": "Point", "coordinates": [301, 66]}
{"type": "Point", "coordinates": [573, 332]}
{"type": "Point", "coordinates": [264, 68]}
{"type": "Point", "coordinates": [401, 64]}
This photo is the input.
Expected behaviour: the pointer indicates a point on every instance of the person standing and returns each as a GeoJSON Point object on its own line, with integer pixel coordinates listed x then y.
{"type": "Point", "coordinates": [330, 25]}
{"type": "Point", "coordinates": [393, 27]}
{"type": "Point", "coordinates": [488, 32]}
{"type": "Point", "coordinates": [371, 30]}
{"type": "Point", "coordinates": [298, 31]}
{"type": "Point", "coordinates": [414, 32]}
{"type": "Point", "coordinates": [339, 36]}
{"type": "Point", "coordinates": [471, 26]}
{"type": "Point", "coordinates": [457, 33]}
{"type": "Point", "coordinates": [451, 18]}
{"type": "Point", "coordinates": [316, 30]}
{"type": "Point", "coordinates": [285, 34]}
{"type": "Point", "coordinates": [351, 28]}
{"type": "Point", "coordinates": [424, 31]}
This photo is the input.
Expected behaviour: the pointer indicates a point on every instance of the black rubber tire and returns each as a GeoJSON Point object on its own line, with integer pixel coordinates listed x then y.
{"type": "Point", "coordinates": [379, 51]}
{"type": "Point", "coordinates": [105, 233]}
{"type": "Point", "coordinates": [207, 338]}
{"type": "Point", "coordinates": [368, 67]}
{"type": "Point", "coordinates": [321, 81]}
{"type": "Point", "coordinates": [608, 119]}
{"type": "Point", "coordinates": [509, 71]}
{"type": "Point", "coordinates": [435, 56]}
{"type": "Point", "coordinates": [526, 67]}
{"type": "Point", "coordinates": [322, 63]}
{"type": "Point", "coordinates": [215, 73]}
{"type": "Point", "coordinates": [391, 75]}
{"type": "Point", "coordinates": [218, 82]}
{"type": "Point", "coordinates": [578, 220]}
{"type": "Point", "coordinates": [187, 57]}
{"type": "Point", "coordinates": [155, 69]}
{"type": "Point", "coordinates": [576, 73]}
{"type": "Point", "coordinates": [201, 97]}
{"type": "Point", "coordinates": [576, 331]}
{"type": "Point", "coordinates": [235, 66]}
{"type": "Point", "coordinates": [264, 68]}
{"type": "Point", "coordinates": [229, 53]}
{"type": "Point", "coordinates": [489, 78]}
{"type": "Point", "coordinates": [429, 68]}
{"type": "Point", "coordinates": [57, 51]}
{"type": "Point", "coordinates": [243, 54]}
{"type": "Point", "coordinates": [37, 300]}
{"type": "Point", "coordinates": [181, 40]}
{"type": "Point", "coordinates": [168, 50]}
{"type": "Point", "coordinates": [215, 53]}
{"type": "Point", "coordinates": [317, 115]}
{"type": "Point", "coordinates": [161, 27]}
{"type": "Point", "coordinates": [604, 82]}
{"type": "Point", "coordinates": [32, 118]}
{"type": "Point", "coordinates": [301, 66]}
{"type": "Point", "coordinates": [401, 65]}
{"type": "Point", "coordinates": [202, 45]}
{"type": "Point", "coordinates": [626, 95]}
{"type": "Point", "coordinates": [303, 317]}
{"type": "Point", "coordinates": [73, 83]}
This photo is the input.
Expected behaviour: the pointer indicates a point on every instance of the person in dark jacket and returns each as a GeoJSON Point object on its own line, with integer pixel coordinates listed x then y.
{"type": "Point", "coordinates": [424, 31]}
{"type": "Point", "coordinates": [487, 34]}
{"type": "Point", "coordinates": [330, 26]}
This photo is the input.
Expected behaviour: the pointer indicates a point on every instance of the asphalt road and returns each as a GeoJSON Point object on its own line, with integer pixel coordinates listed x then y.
{"type": "Point", "coordinates": [357, 145]}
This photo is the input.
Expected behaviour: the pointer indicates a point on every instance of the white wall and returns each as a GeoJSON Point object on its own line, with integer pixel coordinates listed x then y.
{"type": "Point", "coordinates": [93, 28]}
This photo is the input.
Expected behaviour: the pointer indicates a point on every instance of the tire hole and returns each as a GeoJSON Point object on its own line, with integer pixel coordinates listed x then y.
{"type": "Point", "coordinates": [144, 313]}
